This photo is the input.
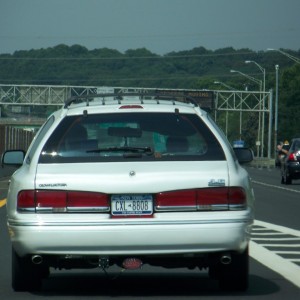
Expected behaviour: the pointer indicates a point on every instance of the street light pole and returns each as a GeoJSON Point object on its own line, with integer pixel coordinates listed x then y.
{"type": "Point", "coordinates": [276, 109]}
{"type": "Point", "coordinates": [261, 117]}
{"type": "Point", "coordinates": [294, 58]}
{"type": "Point", "coordinates": [260, 88]}
{"type": "Point", "coordinates": [261, 69]}
{"type": "Point", "coordinates": [249, 77]}
{"type": "Point", "coordinates": [224, 84]}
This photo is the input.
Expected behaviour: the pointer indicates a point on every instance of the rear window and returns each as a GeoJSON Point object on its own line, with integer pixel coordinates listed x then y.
{"type": "Point", "coordinates": [131, 137]}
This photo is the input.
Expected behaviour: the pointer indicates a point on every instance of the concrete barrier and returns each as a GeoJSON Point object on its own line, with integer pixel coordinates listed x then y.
{"type": "Point", "coordinates": [263, 163]}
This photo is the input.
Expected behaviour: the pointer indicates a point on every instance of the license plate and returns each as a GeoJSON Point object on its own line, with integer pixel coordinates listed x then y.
{"type": "Point", "coordinates": [131, 205]}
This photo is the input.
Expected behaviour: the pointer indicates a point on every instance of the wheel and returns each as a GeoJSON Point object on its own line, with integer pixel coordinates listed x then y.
{"type": "Point", "coordinates": [234, 276]}
{"type": "Point", "coordinates": [25, 275]}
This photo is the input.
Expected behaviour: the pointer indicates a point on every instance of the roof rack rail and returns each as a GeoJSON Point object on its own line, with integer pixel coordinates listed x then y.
{"type": "Point", "coordinates": [119, 97]}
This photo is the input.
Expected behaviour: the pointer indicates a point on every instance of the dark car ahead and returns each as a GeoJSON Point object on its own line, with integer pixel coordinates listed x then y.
{"type": "Point", "coordinates": [290, 169]}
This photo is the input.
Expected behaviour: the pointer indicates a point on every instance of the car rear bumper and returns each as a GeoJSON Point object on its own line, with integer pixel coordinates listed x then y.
{"type": "Point", "coordinates": [294, 170]}
{"type": "Point", "coordinates": [140, 239]}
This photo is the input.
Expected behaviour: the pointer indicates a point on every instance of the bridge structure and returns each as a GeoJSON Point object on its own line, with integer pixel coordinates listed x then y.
{"type": "Point", "coordinates": [29, 105]}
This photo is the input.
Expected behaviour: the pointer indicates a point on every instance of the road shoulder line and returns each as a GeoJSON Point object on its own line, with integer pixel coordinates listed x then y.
{"type": "Point", "coordinates": [278, 228]}
{"type": "Point", "coordinates": [276, 263]}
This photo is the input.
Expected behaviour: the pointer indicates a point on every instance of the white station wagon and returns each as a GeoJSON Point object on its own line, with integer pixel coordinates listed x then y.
{"type": "Point", "coordinates": [129, 180]}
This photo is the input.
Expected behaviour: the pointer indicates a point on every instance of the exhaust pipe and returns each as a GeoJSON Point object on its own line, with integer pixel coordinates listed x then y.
{"type": "Point", "coordinates": [37, 259]}
{"type": "Point", "coordinates": [226, 259]}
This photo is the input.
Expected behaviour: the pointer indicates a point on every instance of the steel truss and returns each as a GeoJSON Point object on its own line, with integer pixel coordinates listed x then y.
{"type": "Point", "coordinates": [248, 106]}
{"type": "Point", "coordinates": [252, 108]}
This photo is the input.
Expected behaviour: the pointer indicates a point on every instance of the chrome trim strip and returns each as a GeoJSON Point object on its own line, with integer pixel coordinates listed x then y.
{"type": "Point", "coordinates": [213, 207]}
{"type": "Point", "coordinates": [120, 222]}
{"type": "Point", "coordinates": [200, 207]}
{"type": "Point", "coordinates": [51, 209]}
{"type": "Point", "coordinates": [70, 209]}
{"type": "Point", "coordinates": [95, 209]}
{"type": "Point", "coordinates": [176, 208]}
{"type": "Point", "coordinates": [237, 207]}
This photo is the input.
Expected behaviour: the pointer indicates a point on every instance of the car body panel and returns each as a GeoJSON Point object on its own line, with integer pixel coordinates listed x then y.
{"type": "Point", "coordinates": [190, 232]}
{"type": "Point", "coordinates": [137, 237]}
{"type": "Point", "coordinates": [114, 179]}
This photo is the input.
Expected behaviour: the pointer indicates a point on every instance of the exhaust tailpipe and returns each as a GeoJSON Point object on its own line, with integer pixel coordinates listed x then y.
{"type": "Point", "coordinates": [37, 259]}
{"type": "Point", "coordinates": [226, 259]}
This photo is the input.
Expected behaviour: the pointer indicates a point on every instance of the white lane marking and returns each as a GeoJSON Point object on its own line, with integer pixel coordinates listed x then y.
{"type": "Point", "coordinates": [260, 229]}
{"type": "Point", "coordinates": [275, 186]}
{"type": "Point", "coordinates": [276, 239]}
{"type": "Point", "coordinates": [286, 267]}
{"type": "Point", "coordinates": [287, 252]}
{"type": "Point", "coordinates": [278, 228]}
{"type": "Point", "coordinates": [268, 233]}
{"type": "Point", "coordinates": [282, 245]}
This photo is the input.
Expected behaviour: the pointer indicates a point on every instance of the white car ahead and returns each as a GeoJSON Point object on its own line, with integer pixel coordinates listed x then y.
{"type": "Point", "coordinates": [122, 180]}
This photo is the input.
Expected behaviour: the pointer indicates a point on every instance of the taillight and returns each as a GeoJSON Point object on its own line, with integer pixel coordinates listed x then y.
{"type": "Point", "coordinates": [88, 201]}
{"type": "Point", "coordinates": [222, 198]}
{"type": "Point", "coordinates": [237, 198]}
{"type": "Point", "coordinates": [292, 157]}
{"type": "Point", "coordinates": [176, 200]}
{"type": "Point", "coordinates": [206, 199]}
{"type": "Point", "coordinates": [213, 199]}
{"type": "Point", "coordinates": [50, 201]}
{"type": "Point", "coordinates": [62, 201]}
{"type": "Point", "coordinates": [26, 201]}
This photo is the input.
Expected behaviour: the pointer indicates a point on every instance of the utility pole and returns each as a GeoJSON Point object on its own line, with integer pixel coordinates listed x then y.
{"type": "Point", "coordinates": [276, 109]}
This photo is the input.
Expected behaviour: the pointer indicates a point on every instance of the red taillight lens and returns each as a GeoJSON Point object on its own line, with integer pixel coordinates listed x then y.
{"type": "Point", "coordinates": [213, 198]}
{"type": "Point", "coordinates": [237, 198]}
{"type": "Point", "coordinates": [55, 201]}
{"type": "Point", "coordinates": [26, 201]}
{"type": "Point", "coordinates": [62, 201]}
{"type": "Point", "coordinates": [88, 200]}
{"type": "Point", "coordinates": [177, 200]}
{"type": "Point", "coordinates": [292, 157]}
{"type": "Point", "coordinates": [206, 199]}
{"type": "Point", "coordinates": [222, 198]}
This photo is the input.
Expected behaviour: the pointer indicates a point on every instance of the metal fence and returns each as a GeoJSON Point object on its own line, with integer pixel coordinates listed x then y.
{"type": "Point", "coordinates": [242, 115]}
{"type": "Point", "coordinates": [14, 138]}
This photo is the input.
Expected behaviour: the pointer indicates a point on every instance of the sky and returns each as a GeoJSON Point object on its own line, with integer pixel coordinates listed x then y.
{"type": "Point", "coordinates": [161, 26]}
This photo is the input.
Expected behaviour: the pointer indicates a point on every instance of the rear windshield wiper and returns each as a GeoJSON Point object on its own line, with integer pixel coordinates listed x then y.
{"type": "Point", "coordinates": [138, 150]}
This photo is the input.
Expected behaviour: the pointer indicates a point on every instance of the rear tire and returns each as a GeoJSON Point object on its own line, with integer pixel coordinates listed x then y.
{"type": "Point", "coordinates": [25, 275]}
{"type": "Point", "coordinates": [234, 276]}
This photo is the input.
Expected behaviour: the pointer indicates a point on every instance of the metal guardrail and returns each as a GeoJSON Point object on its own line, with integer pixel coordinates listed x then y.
{"type": "Point", "coordinates": [263, 163]}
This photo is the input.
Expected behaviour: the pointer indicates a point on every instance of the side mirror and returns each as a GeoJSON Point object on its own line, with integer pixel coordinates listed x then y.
{"type": "Point", "coordinates": [244, 155]}
{"type": "Point", "coordinates": [13, 157]}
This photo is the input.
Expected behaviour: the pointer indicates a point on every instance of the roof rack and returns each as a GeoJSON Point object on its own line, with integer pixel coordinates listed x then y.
{"type": "Point", "coordinates": [119, 96]}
